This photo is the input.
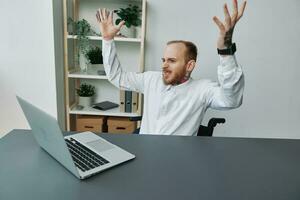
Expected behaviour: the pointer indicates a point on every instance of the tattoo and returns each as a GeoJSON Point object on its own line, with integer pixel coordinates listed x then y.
{"type": "Point", "coordinates": [228, 37]}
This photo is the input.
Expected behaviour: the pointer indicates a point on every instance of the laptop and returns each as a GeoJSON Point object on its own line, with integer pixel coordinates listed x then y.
{"type": "Point", "coordinates": [83, 154]}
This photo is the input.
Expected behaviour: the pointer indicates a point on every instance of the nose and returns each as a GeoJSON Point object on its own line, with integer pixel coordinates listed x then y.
{"type": "Point", "coordinates": [165, 65]}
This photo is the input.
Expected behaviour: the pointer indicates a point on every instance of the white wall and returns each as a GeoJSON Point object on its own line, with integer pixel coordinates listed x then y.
{"type": "Point", "coordinates": [27, 60]}
{"type": "Point", "coordinates": [268, 48]}
{"type": "Point", "coordinates": [59, 60]}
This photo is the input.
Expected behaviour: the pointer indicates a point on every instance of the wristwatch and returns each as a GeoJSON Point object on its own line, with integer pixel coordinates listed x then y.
{"type": "Point", "coordinates": [229, 51]}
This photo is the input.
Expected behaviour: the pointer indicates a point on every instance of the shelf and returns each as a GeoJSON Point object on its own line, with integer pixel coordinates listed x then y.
{"type": "Point", "coordinates": [121, 39]}
{"type": "Point", "coordinates": [130, 49]}
{"type": "Point", "coordinates": [92, 111]}
{"type": "Point", "coordinates": [86, 75]}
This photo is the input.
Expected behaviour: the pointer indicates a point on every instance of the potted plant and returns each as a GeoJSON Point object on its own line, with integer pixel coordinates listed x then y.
{"type": "Point", "coordinates": [85, 93]}
{"type": "Point", "coordinates": [95, 58]}
{"type": "Point", "coordinates": [94, 55]}
{"type": "Point", "coordinates": [82, 29]}
{"type": "Point", "coordinates": [131, 16]}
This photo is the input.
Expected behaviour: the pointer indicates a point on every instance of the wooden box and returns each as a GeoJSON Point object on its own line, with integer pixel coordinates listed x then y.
{"type": "Point", "coordinates": [91, 123]}
{"type": "Point", "coordinates": [120, 125]}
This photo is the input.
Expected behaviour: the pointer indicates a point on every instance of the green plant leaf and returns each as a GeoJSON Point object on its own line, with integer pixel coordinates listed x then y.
{"type": "Point", "coordinates": [118, 21]}
{"type": "Point", "coordinates": [94, 55]}
{"type": "Point", "coordinates": [128, 24]}
{"type": "Point", "coordinates": [131, 15]}
{"type": "Point", "coordinates": [86, 90]}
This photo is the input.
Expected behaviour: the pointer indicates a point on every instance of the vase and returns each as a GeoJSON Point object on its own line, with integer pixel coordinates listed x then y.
{"type": "Point", "coordinates": [128, 32]}
{"type": "Point", "coordinates": [138, 32]}
{"type": "Point", "coordinates": [83, 63]}
{"type": "Point", "coordinates": [94, 68]}
{"type": "Point", "coordinates": [85, 101]}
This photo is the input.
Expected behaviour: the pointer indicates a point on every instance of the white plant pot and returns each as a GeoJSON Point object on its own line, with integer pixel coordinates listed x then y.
{"type": "Point", "coordinates": [94, 68]}
{"type": "Point", "coordinates": [138, 32]}
{"type": "Point", "coordinates": [128, 32]}
{"type": "Point", "coordinates": [85, 101]}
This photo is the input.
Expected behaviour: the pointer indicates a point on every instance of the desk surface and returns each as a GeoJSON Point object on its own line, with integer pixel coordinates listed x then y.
{"type": "Point", "coordinates": [166, 167]}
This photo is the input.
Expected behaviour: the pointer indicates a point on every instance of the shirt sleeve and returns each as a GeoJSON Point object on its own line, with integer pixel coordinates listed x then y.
{"type": "Point", "coordinates": [228, 92]}
{"type": "Point", "coordinates": [132, 81]}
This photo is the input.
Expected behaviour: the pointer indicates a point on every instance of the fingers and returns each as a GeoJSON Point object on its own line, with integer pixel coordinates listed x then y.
{"type": "Point", "coordinates": [110, 17]}
{"type": "Point", "coordinates": [227, 17]}
{"type": "Point", "coordinates": [120, 25]}
{"type": "Point", "coordinates": [235, 12]}
{"type": "Point", "coordinates": [103, 14]}
{"type": "Point", "coordinates": [219, 24]}
{"type": "Point", "coordinates": [242, 9]}
{"type": "Point", "coordinates": [106, 14]}
{"type": "Point", "coordinates": [98, 16]}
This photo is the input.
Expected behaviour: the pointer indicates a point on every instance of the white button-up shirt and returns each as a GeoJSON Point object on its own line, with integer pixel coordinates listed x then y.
{"type": "Point", "coordinates": [179, 109]}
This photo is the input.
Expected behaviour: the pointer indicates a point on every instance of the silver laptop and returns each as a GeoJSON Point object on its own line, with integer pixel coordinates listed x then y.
{"type": "Point", "coordinates": [84, 154]}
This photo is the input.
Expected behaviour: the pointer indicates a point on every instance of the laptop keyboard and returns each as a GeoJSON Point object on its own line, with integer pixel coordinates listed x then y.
{"type": "Point", "coordinates": [84, 158]}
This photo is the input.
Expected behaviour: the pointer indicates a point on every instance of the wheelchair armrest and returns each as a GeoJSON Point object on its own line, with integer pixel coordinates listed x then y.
{"type": "Point", "coordinates": [214, 121]}
{"type": "Point", "coordinates": [139, 118]}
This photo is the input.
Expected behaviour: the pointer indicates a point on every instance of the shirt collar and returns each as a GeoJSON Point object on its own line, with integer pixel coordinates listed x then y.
{"type": "Point", "coordinates": [168, 87]}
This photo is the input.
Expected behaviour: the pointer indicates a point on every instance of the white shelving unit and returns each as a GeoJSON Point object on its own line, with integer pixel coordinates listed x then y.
{"type": "Point", "coordinates": [130, 52]}
{"type": "Point", "coordinates": [117, 39]}
{"type": "Point", "coordinates": [92, 111]}
{"type": "Point", "coordinates": [83, 75]}
{"type": "Point", "coordinates": [90, 74]}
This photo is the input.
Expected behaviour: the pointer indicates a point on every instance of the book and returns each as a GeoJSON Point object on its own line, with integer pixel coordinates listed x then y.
{"type": "Point", "coordinates": [105, 105]}
{"type": "Point", "coordinates": [122, 101]}
{"type": "Point", "coordinates": [128, 100]}
{"type": "Point", "coordinates": [134, 102]}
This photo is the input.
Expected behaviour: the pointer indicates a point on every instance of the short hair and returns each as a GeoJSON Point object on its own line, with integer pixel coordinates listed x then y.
{"type": "Point", "coordinates": [191, 49]}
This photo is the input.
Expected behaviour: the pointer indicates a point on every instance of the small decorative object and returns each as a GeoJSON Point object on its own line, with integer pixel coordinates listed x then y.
{"type": "Point", "coordinates": [79, 107]}
{"type": "Point", "coordinates": [70, 27]}
{"type": "Point", "coordinates": [131, 16]}
{"type": "Point", "coordinates": [101, 73]}
{"type": "Point", "coordinates": [85, 93]}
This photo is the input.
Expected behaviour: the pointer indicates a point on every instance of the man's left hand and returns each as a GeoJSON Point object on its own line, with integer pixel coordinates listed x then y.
{"type": "Point", "coordinates": [226, 29]}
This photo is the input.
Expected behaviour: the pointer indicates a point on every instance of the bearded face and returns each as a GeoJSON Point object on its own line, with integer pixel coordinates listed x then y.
{"type": "Point", "coordinates": [174, 66]}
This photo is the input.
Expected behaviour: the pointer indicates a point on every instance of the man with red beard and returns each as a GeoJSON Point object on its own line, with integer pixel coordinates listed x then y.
{"type": "Point", "coordinates": [174, 103]}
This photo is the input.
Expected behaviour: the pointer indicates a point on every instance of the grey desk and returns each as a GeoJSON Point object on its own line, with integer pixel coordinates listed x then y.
{"type": "Point", "coordinates": [166, 167]}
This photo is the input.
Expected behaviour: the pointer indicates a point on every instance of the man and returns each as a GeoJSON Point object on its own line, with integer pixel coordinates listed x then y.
{"type": "Point", "coordinates": [174, 103]}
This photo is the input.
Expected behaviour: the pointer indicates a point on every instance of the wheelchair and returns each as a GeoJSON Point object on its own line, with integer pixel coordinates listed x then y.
{"type": "Point", "coordinates": [202, 131]}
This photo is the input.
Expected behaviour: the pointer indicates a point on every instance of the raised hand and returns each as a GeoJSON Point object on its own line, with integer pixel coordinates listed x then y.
{"type": "Point", "coordinates": [226, 29]}
{"type": "Point", "coordinates": [107, 28]}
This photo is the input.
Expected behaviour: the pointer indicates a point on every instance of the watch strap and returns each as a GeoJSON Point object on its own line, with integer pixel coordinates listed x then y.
{"type": "Point", "coordinates": [229, 51]}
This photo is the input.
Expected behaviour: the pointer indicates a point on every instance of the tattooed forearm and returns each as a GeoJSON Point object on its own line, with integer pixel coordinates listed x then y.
{"type": "Point", "coordinates": [228, 37]}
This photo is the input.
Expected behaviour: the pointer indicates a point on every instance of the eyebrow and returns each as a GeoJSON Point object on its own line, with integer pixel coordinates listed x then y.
{"type": "Point", "coordinates": [174, 58]}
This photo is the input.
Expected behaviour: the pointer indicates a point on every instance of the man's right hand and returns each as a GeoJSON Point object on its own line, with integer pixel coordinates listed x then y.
{"type": "Point", "coordinates": [107, 28]}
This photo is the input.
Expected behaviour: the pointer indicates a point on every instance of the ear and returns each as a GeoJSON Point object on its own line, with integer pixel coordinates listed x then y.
{"type": "Point", "coordinates": [190, 65]}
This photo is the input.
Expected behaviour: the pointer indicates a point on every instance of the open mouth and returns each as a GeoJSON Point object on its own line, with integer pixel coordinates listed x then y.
{"type": "Point", "coordinates": [166, 73]}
